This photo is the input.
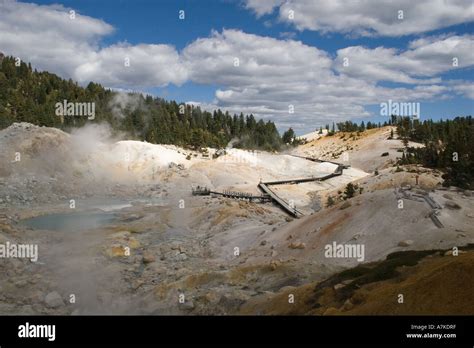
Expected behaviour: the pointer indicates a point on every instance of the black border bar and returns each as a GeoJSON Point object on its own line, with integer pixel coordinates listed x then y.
{"type": "Point", "coordinates": [224, 330]}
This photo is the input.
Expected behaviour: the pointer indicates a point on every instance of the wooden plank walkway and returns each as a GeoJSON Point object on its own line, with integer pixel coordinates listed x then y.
{"type": "Point", "coordinates": [264, 186]}
{"type": "Point", "coordinates": [243, 195]}
{"type": "Point", "coordinates": [321, 161]}
{"type": "Point", "coordinates": [269, 194]}
{"type": "Point", "coordinates": [281, 202]}
{"type": "Point", "coordinates": [204, 191]}
{"type": "Point", "coordinates": [302, 180]}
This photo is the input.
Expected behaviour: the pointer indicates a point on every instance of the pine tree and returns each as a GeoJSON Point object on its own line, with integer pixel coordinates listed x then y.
{"type": "Point", "coordinates": [349, 192]}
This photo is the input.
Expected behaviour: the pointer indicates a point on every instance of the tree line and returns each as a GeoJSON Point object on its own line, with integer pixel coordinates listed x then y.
{"type": "Point", "coordinates": [27, 95]}
{"type": "Point", "coordinates": [448, 146]}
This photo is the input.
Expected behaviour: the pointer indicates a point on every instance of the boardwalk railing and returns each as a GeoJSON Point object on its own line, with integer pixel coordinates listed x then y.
{"type": "Point", "coordinates": [270, 195]}
{"type": "Point", "coordinates": [289, 208]}
{"type": "Point", "coordinates": [204, 191]}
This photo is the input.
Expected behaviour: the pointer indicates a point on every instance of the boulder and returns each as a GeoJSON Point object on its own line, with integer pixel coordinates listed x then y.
{"type": "Point", "coordinates": [181, 257]}
{"type": "Point", "coordinates": [148, 257]}
{"type": "Point", "coordinates": [54, 300]}
{"type": "Point", "coordinates": [405, 243]}
{"type": "Point", "coordinates": [452, 205]}
{"type": "Point", "coordinates": [297, 245]}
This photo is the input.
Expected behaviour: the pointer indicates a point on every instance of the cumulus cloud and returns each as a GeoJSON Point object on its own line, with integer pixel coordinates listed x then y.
{"type": "Point", "coordinates": [235, 58]}
{"type": "Point", "coordinates": [262, 7]}
{"type": "Point", "coordinates": [276, 76]}
{"type": "Point", "coordinates": [47, 35]}
{"type": "Point", "coordinates": [368, 17]}
{"type": "Point", "coordinates": [49, 38]}
{"type": "Point", "coordinates": [425, 57]}
{"type": "Point", "coordinates": [133, 66]}
{"type": "Point", "coordinates": [266, 76]}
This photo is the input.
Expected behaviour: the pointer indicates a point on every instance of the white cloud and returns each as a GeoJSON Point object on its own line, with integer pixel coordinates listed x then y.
{"type": "Point", "coordinates": [291, 35]}
{"type": "Point", "coordinates": [464, 89]}
{"type": "Point", "coordinates": [262, 7]}
{"type": "Point", "coordinates": [48, 38]}
{"type": "Point", "coordinates": [426, 57]}
{"type": "Point", "coordinates": [369, 17]}
{"type": "Point", "coordinates": [271, 75]}
{"type": "Point", "coordinates": [274, 74]}
{"type": "Point", "coordinates": [133, 66]}
{"type": "Point", "coordinates": [214, 59]}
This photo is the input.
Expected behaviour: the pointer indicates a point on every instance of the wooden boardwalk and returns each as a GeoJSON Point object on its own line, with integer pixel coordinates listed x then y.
{"type": "Point", "coordinates": [269, 194]}
{"type": "Point", "coordinates": [290, 209]}
{"type": "Point", "coordinates": [321, 161]}
{"type": "Point", "coordinates": [244, 196]}
{"type": "Point", "coordinates": [303, 180]}
{"type": "Point", "coordinates": [204, 191]}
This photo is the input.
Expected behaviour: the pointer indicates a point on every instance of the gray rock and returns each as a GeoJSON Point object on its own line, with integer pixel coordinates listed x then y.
{"type": "Point", "coordinates": [348, 305]}
{"type": "Point", "coordinates": [181, 257]}
{"type": "Point", "coordinates": [452, 205]}
{"type": "Point", "coordinates": [148, 257]}
{"type": "Point", "coordinates": [405, 243]}
{"type": "Point", "coordinates": [297, 245]}
{"type": "Point", "coordinates": [54, 300]}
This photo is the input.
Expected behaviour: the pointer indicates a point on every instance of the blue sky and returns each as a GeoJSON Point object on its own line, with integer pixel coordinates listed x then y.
{"type": "Point", "coordinates": [111, 30]}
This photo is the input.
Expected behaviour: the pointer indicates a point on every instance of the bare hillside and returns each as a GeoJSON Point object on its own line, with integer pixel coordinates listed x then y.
{"type": "Point", "coordinates": [136, 238]}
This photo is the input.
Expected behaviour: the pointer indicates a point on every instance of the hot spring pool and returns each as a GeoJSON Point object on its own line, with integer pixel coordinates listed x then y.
{"type": "Point", "coordinates": [70, 221]}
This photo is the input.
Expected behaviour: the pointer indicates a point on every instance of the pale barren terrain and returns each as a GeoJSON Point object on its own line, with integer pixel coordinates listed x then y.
{"type": "Point", "coordinates": [164, 242]}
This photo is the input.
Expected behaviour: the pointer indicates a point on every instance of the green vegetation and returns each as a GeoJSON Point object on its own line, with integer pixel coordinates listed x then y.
{"type": "Point", "coordinates": [31, 96]}
{"type": "Point", "coordinates": [449, 146]}
{"type": "Point", "coordinates": [370, 273]}
{"type": "Point", "coordinates": [289, 136]}
{"type": "Point", "coordinates": [350, 191]}
{"type": "Point", "coordinates": [330, 202]}
{"type": "Point", "coordinates": [349, 126]}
